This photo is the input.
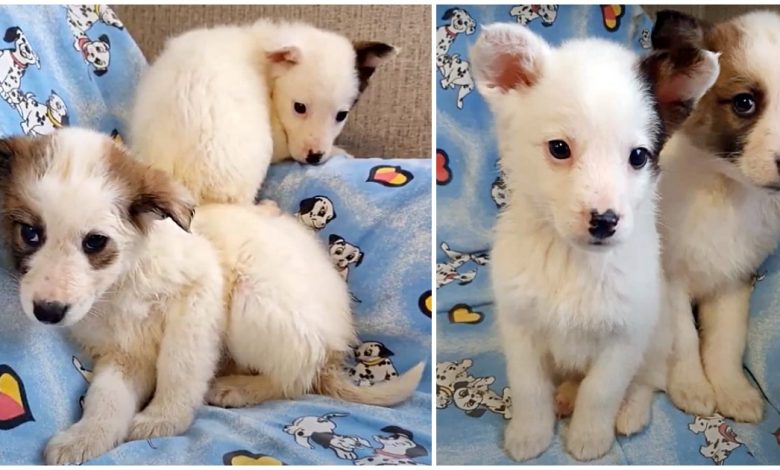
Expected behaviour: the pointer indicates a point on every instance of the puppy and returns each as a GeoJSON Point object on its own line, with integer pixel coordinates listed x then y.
{"type": "Point", "coordinates": [14, 61]}
{"type": "Point", "coordinates": [39, 118]}
{"type": "Point", "coordinates": [316, 212]}
{"type": "Point", "coordinates": [281, 340]}
{"type": "Point", "coordinates": [236, 98]}
{"type": "Point", "coordinates": [720, 208]}
{"type": "Point", "coordinates": [141, 295]}
{"type": "Point", "coordinates": [343, 253]}
{"type": "Point", "coordinates": [373, 364]}
{"type": "Point", "coordinates": [575, 263]}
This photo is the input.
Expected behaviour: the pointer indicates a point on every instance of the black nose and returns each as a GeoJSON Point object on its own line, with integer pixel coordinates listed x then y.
{"type": "Point", "coordinates": [50, 312]}
{"type": "Point", "coordinates": [602, 225]}
{"type": "Point", "coordinates": [314, 158]}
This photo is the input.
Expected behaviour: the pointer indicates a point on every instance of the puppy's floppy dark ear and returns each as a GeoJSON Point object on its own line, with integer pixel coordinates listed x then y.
{"type": "Point", "coordinates": [359, 257]}
{"type": "Point", "coordinates": [104, 38]}
{"type": "Point", "coordinates": [322, 438]}
{"type": "Point", "coordinates": [368, 56]}
{"type": "Point", "coordinates": [306, 205]}
{"type": "Point", "coordinates": [448, 14]}
{"type": "Point", "coordinates": [333, 238]}
{"type": "Point", "coordinates": [476, 412]}
{"type": "Point", "coordinates": [678, 78]}
{"type": "Point", "coordinates": [11, 34]}
{"type": "Point", "coordinates": [418, 450]}
{"type": "Point", "coordinates": [156, 196]}
{"type": "Point", "coordinates": [100, 72]}
{"type": "Point", "coordinates": [384, 351]}
{"type": "Point", "coordinates": [674, 29]}
{"type": "Point", "coordinates": [507, 57]}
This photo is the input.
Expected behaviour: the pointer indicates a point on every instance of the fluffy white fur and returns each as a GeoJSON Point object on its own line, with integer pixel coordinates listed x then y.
{"type": "Point", "coordinates": [218, 105]}
{"type": "Point", "coordinates": [719, 221]}
{"type": "Point", "coordinates": [566, 308]}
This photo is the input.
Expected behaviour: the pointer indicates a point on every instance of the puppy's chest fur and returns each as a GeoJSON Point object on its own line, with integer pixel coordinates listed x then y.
{"type": "Point", "coordinates": [716, 230]}
{"type": "Point", "coordinates": [573, 301]}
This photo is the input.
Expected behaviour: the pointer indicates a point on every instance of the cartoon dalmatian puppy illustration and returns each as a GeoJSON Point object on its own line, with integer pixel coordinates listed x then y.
{"type": "Point", "coordinates": [644, 39]}
{"type": "Point", "coordinates": [399, 448]}
{"type": "Point", "coordinates": [308, 430]}
{"type": "Point", "coordinates": [95, 52]}
{"type": "Point", "coordinates": [524, 14]}
{"type": "Point", "coordinates": [720, 438]}
{"type": "Point", "coordinates": [498, 191]}
{"type": "Point", "coordinates": [459, 22]}
{"type": "Point", "coordinates": [448, 272]}
{"type": "Point", "coordinates": [14, 61]}
{"type": "Point", "coordinates": [475, 397]}
{"type": "Point", "coordinates": [373, 364]}
{"type": "Point", "coordinates": [457, 73]}
{"type": "Point", "coordinates": [39, 118]}
{"type": "Point", "coordinates": [343, 254]}
{"type": "Point", "coordinates": [447, 375]}
{"type": "Point", "coordinates": [85, 373]}
{"type": "Point", "coordinates": [316, 212]}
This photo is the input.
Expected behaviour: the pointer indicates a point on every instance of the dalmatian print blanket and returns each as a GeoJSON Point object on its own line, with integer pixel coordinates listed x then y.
{"type": "Point", "coordinates": [472, 398]}
{"type": "Point", "coordinates": [77, 65]}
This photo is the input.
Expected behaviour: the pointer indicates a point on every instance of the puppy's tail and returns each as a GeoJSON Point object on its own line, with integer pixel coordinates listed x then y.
{"type": "Point", "coordinates": [334, 382]}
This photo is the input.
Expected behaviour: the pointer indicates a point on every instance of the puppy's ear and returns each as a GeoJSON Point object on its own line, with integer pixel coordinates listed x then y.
{"type": "Point", "coordinates": [384, 351]}
{"type": "Point", "coordinates": [306, 205]}
{"type": "Point", "coordinates": [476, 413]}
{"type": "Point", "coordinates": [284, 56]}
{"type": "Point", "coordinates": [11, 34]}
{"type": "Point", "coordinates": [678, 78]}
{"type": "Point", "coordinates": [417, 451]}
{"type": "Point", "coordinates": [369, 55]}
{"type": "Point", "coordinates": [359, 258]}
{"type": "Point", "coordinates": [100, 72]}
{"type": "Point", "coordinates": [333, 238]}
{"type": "Point", "coordinates": [507, 57]}
{"type": "Point", "coordinates": [449, 14]}
{"type": "Point", "coordinates": [161, 198]}
{"type": "Point", "coordinates": [104, 38]}
{"type": "Point", "coordinates": [673, 29]}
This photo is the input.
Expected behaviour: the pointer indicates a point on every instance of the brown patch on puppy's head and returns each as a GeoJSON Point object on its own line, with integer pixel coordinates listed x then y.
{"type": "Point", "coordinates": [738, 119]}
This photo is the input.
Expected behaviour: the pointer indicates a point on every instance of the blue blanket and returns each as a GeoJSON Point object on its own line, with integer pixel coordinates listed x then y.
{"type": "Point", "coordinates": [470, 193]}
{"type": "Point", "coordinates": [380, 231]}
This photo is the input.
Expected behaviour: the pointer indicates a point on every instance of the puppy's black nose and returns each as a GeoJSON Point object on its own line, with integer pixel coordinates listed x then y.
{"type": "Point", "coordinates": [314, 158]}
{"type": "Point", "coordinates": [50, 312]}
{"type": "Point", "coordinates": [602, 225]}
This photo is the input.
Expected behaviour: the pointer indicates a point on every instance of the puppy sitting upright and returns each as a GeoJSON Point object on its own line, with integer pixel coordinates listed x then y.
{"type": "Point", "coordinates": [576, 266]}
{"type": "Point", "coordinates": [720, 209]}
{"type": "Point", "coordinates": [142, 296]}
{"type": "Point", "coordinates": [220, 104]}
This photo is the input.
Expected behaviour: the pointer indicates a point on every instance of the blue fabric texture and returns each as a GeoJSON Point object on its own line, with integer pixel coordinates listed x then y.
{"type": "Point", "coordinates": [469, 196]}
{"type": "Point", "coordinates": [383, 210]}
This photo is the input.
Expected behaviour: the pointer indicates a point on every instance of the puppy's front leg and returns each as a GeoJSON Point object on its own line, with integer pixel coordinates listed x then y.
{"type": "Point", "coordinates": [592, 428]}
{"type": "Point", "coordinates": [530, 430]}
{"type": "Point", "coordinates": [688, 387]}
{"type": "Point", "coordinates": [188, 358]}
{"type": "Point", "coordinates": [724, 322]}
{"type": "Point", "coordinates": [117, 389]}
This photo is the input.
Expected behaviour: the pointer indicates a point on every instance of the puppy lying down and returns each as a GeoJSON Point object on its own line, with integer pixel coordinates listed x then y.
{"type": "Point", "coordinates": [103, 246]}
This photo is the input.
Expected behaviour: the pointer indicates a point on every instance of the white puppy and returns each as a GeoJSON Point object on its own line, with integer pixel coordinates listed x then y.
{"type": "Point", "coordinates": [720, 211]}
{"type": "Point", "coordinates": [283, 340]}
{"type": "Point", "coordinates": [576, 266]}
{"type": "Point", "coordinates": [220, 104]}
{"type": "Point", "coordinates": [143, 297]}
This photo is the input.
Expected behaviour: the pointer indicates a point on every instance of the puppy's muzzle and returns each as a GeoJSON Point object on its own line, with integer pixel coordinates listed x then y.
{"type": "Point", "coordinates": [50, 313]}
{"type": "Point", "coordinates": [603, 225]}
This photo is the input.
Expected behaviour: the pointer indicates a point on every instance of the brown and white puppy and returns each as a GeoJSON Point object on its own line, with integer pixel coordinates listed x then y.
{"type": "Point", "coordinates": [102, 247]}
{"type": "Point", "coordinates": [720, 209]}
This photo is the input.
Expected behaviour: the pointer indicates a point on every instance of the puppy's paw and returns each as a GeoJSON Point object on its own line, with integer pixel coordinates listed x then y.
{"type": "Point", "coordinates": [565, 396]}
{"type": "Point", "coordinates": [690, 391]}
{"type": "Point", "coordinates": [589, 440]}
{"type": "Point", "coordinates": [632, 417]}
{"type": "Point", "coordinates": [76, 445]}
{"type": "Point", "coordinates": [227, 393]}
{"type": "Point", "coordinates": [739, 400]}
{"type": "Point", "coordinates": [152, 423]}
{"type": "Point", "coordinates": [525, 440]}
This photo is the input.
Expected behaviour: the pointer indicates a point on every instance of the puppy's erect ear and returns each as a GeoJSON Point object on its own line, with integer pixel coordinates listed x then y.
{"type": "Point", "coordinates": [673, 29]}
{"type": "Point", "coordinates": [285, 56]}
{"type": "Point", "coordinates": [678, 78]}
{"type": "Point", "coordinates": [507, 57]}
{"type": "Point", "coordinates": [369, 55]}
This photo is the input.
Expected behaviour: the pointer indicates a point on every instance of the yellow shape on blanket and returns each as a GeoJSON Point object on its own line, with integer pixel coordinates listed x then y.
{"type": "Point", "coordinates": [261, 460]}
{"type": "Point", "coordinates": [9, 386]}
{"type": "Point", "coordinates": [464, 314]}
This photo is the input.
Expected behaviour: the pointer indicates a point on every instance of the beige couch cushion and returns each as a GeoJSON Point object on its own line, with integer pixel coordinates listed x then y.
{"type": "Point", "coordinates": [392, 119]}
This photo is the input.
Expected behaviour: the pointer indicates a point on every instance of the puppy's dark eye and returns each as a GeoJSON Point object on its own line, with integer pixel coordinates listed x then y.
{"type": "Point", "coordinates": [31, 235]}
{"type": "Point", "coordinates": [639, 157]}
{"type": "Point", "coordinates": [744, 104]}
{"type": "Point", "coordinates": [94, 243]}
{"type": "Point", "coordinates": [559, 149]}
{"type": "Point", "coordinates": [299, 108]}
{"type": "Point", "coordinates": [341, 115]}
